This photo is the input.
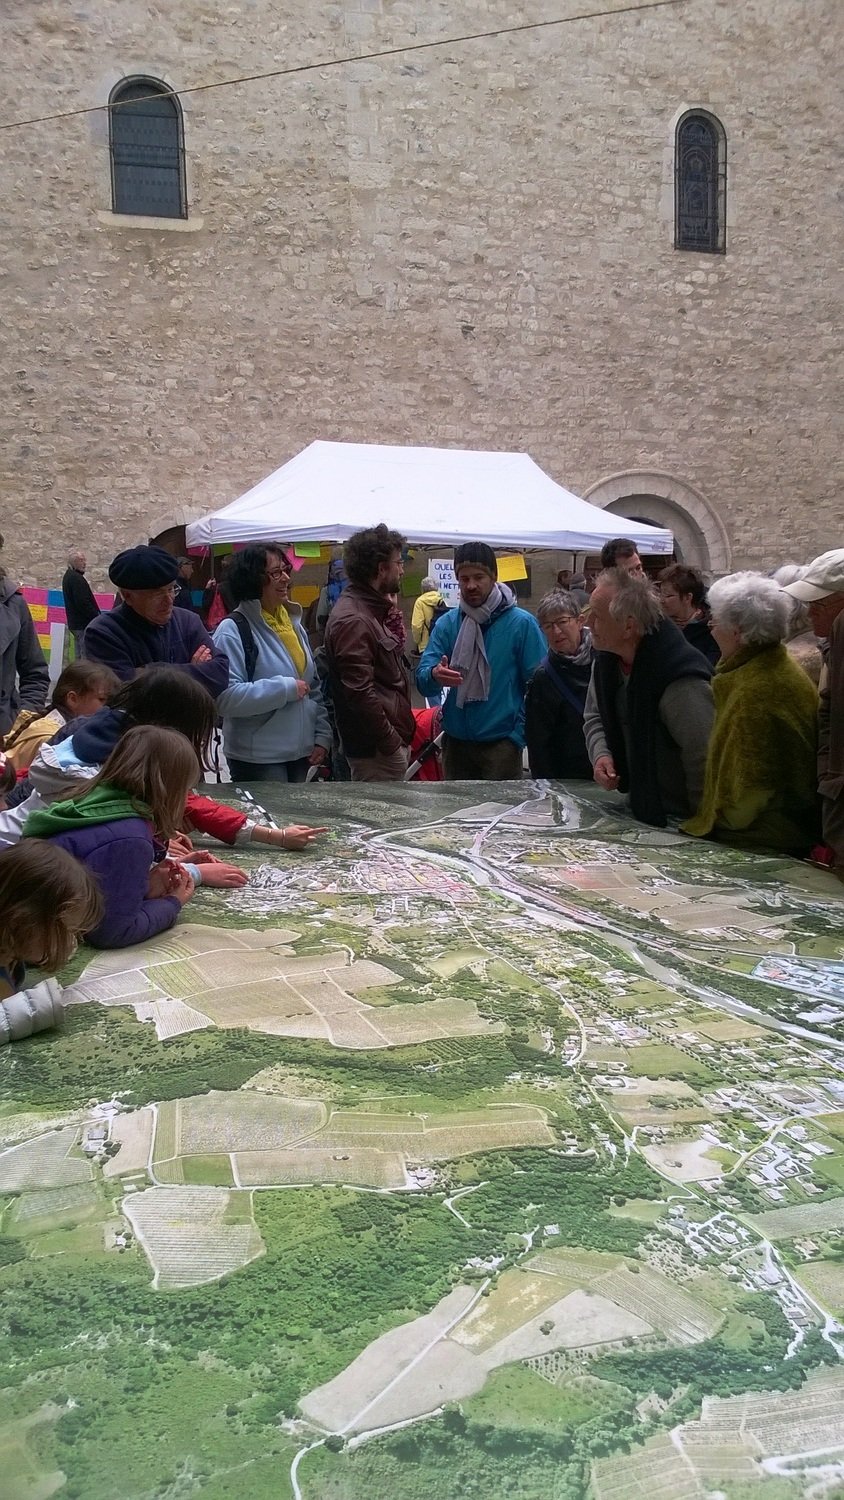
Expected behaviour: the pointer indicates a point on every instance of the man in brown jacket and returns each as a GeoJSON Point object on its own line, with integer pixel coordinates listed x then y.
{"type": "Point", "coordinates": [822, 589]}
{"type": "Point", "coordinates": [369, 677]}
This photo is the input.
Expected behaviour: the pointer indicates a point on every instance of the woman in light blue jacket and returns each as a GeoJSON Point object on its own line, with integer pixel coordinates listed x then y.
{"type": "Point", "coordinates": [275, 726]}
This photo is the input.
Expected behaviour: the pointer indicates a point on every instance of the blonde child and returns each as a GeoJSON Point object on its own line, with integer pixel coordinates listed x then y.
{"type": "Point", "coordinates": [118, 828]}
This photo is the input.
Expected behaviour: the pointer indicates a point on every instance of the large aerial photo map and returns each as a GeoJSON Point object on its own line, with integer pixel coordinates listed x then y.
{"type": "Point", "coordinates": [492, 1148]}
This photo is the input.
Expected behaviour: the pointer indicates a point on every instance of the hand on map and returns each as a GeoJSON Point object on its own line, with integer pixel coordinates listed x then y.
{"type": "Point", "coordinates": [162, 880]}
{"type": "Point", "coordinates": [605, 774]}
{"type": "Point", "coordinates": [201, 654]}
{"type": "Point", "coordinates": [222, 876]}
{"type": "Point", "coordinates": [183, 886]}
{"type": "Point", "coordinates": [445, 675]}
{"type": "Point", "coordinates": [180, 847]}
{"type": "Point", "coordinates": [299, 835]}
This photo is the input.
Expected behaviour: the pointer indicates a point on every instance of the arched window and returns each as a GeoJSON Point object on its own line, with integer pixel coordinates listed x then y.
{"type": "Point", "coordinates": [700, 184]}
{"type": "Point", "coordinates": [147, 151]}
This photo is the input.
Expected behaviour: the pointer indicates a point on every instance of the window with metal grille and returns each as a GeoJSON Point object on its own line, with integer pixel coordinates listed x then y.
{"type": "Point", "coordinates": [147, 151]}
{"type": "Point", "coordinates": [700, 184]}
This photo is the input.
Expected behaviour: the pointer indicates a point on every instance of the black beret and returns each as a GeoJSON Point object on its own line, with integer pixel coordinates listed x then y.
{"type": "Point", "coordinates": [144, 568]}
{"type": "Point", "coordinates": [475, 555]}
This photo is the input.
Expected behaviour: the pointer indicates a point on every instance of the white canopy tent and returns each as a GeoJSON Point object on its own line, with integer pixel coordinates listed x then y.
{"type": "Point", "coordinates": [433, 496]}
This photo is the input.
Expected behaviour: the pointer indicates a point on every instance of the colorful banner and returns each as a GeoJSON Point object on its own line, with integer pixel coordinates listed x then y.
{"type": "Point", "coordinates": [49, 616]}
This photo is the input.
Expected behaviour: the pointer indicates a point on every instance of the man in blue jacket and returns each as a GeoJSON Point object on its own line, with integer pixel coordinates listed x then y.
{"type": "Point", "coordinates": [146, 627]}
{"type": "Point", "coordinates": [485, 652]}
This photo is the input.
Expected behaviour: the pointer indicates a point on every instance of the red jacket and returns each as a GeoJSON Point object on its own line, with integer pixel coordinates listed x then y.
{"type": "Point", "coordinates": [208, 816]}
{"type": "Point", "coordinates": [429, 723]}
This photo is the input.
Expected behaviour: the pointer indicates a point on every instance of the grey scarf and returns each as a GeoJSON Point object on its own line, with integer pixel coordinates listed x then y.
{"type": "Point", "coordinates": [469, 655]}
{"type": "Point", "coordinates": [583, 654]}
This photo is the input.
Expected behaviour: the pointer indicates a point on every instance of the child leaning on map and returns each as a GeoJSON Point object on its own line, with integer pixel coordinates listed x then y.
{"type": "Point", "coordinates": [118, 826]}
{"type": "Point", "coordinates": [163, 695]}
{"type": "Point", "coordinates": [46, 900]}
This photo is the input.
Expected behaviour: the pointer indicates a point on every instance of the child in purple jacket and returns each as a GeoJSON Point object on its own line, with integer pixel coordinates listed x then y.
{"type": "Point", "coordinates": [118, 828]}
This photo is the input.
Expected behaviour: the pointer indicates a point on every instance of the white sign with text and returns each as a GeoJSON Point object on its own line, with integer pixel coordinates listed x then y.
{"type": "Point", "coordinates": [441, 569]}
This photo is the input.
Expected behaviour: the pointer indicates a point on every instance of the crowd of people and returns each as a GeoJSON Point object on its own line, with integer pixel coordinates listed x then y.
{"type": "Point", "coordinates": [717, 710]}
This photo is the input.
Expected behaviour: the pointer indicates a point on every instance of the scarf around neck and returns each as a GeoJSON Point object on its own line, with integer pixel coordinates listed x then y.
{"type": "Point", "coordinates": [394, 622]}
{"type": "Point", "coordinates": [105, 804]}
{"type": "Point", "coordinates": [469, 656]}
{"type": "Point", "coordinates": [582, 656]}
{"type": "Point", "coordinates": [282, 627]}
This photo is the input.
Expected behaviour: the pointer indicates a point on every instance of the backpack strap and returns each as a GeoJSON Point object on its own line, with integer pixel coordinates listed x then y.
{"type": "Point", "coordinates": [563, 688]}
{"type": "Point", "coordinates": [247, 640]}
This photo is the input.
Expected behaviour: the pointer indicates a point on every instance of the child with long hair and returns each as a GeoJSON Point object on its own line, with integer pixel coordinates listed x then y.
{"type": "Point", "coordinates": [118, 826]}
{"type": "Point", "coordinates": [46, 900]}
{"type": "Point", "coordinates": [161, 695]}
{"type": "Point", "coordinates": [83, 687]}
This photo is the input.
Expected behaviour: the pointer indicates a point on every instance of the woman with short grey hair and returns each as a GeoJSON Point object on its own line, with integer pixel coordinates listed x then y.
{"type": "Point", "coordinates": [760, 788]}
{"type": "Point", "coordinates": [556, 694]}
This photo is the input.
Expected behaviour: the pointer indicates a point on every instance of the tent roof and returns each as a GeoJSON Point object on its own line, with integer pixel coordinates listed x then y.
{"type": "Point", "coordinates": [433, 496]}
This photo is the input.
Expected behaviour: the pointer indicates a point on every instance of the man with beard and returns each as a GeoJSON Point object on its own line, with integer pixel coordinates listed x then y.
{"type": "Point", "coordinates": [485, 652]}
{"type": "Point", "coordinates": [367, 670]}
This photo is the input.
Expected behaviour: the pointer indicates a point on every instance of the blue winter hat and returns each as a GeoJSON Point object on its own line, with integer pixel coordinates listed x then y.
{"type": "Point", "coordinates": [144, 568]}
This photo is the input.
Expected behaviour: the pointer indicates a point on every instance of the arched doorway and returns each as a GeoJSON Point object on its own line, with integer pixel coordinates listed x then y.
{"type": "Point", "coordinates": [700, 538]}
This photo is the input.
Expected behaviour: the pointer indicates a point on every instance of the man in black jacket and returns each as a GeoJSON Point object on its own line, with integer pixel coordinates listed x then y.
{"type": "Point", "coordinates": [649, 710]}
{"type": "Point", "coordinates": [146, 627]}
{"type": "Point", "coordinates": [80, 605]}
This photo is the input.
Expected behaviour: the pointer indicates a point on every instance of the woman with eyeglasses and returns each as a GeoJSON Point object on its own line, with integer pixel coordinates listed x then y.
{"type": "Point", "coordinates": [556, 694]}
{"type": "Point", "coordinates": [275, 725]}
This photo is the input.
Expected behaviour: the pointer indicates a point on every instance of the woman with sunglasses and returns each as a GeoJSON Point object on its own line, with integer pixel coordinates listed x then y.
{"type": "Point", "coordinates": [275, 725]}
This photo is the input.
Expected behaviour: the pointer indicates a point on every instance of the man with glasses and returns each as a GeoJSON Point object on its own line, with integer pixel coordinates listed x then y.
{"type": "Point", "coordinates": [146, 627]}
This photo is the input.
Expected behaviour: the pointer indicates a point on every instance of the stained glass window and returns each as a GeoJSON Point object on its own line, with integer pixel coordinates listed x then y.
{"type": "Point", "coordinates": [700, 185]}
{"type": "Point", "coordinates": [147, 151]}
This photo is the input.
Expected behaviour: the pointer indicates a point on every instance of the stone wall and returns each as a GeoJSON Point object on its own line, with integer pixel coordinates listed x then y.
{"type": "Point", "coordinates": [470, 245]}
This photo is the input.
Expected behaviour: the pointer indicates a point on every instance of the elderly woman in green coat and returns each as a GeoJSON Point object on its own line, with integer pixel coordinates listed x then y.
{"type": "Point", "coordinates": [760, 789]}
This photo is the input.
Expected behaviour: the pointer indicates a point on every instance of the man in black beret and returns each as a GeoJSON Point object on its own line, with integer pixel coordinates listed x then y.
{"type": "Point", "coordinates": [147, 627]}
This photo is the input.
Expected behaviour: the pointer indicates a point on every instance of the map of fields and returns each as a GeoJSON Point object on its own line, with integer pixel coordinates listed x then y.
{"type": "Point", "coordinates": [492, 1148]}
